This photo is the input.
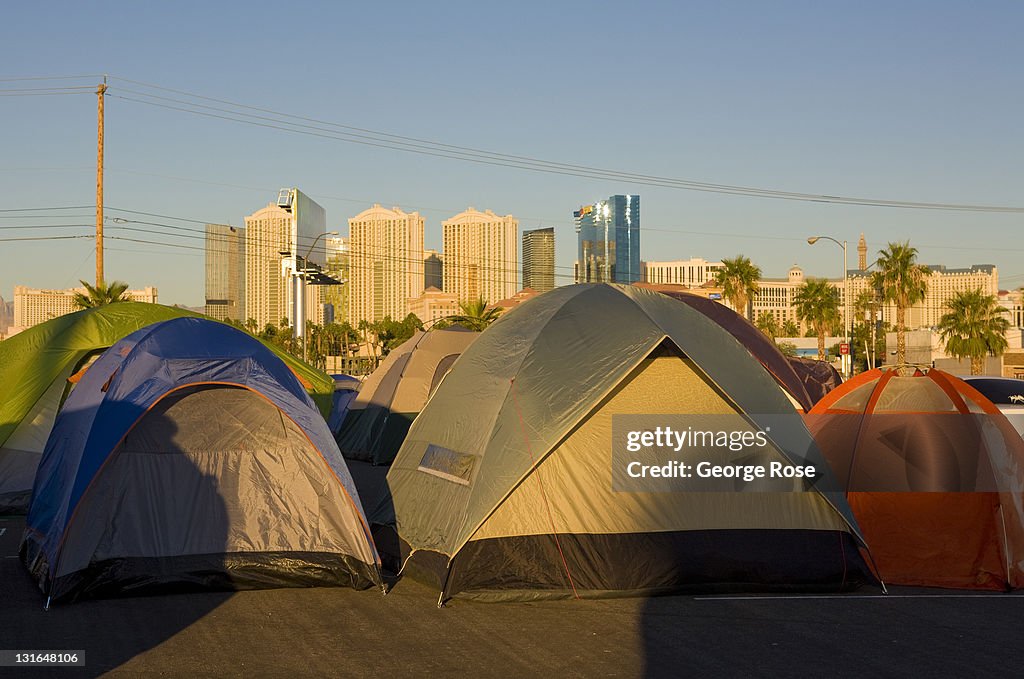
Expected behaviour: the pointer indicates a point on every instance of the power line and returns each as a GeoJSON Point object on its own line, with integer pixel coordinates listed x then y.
{"type": "Point", "coordinates": [523, 220]}
{"type": "Point", "coordinates": [152, 252]}
{"type": "Point", "coordinates": [506, 267]}
{"type": "Point", "coordinates": [664, 183]}
{"type": "Point", "coordinates": [62, 216]}
{"type": "Point", "coordinates": [318, 196]}
{"type": "Point", "coordinates": [45, 89]}
{"type": "Point", "coordinates": [27, 238]}
{"type": "Point", "coordinates": [42, 91]}
{"type": "Point", "coordinates": [37, 94]}
{"type": "Point", "coordinates": [503, 267]}
{"type": "Point", "coordinates": [52, 77]}
{"type": "Point", "coordinates": [150, 242]}
{"type": "Point", "coordinates": [43, 226]}
{"type": "Point", "coordinates": [38, 209]}
{"type": "Point", "coordinates": [74, 274]}
{"type": "Point", "coordinates": [691, 232]}
{"type": "Point", "coordinates": [47, 169]}
{"type": "Point", "coordinates": [352, 134]}
{"type": "Point", "coordinates": [303, 240]}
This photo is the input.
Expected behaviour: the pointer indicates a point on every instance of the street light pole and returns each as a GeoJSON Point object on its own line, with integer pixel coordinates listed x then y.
{"type": "Point", "coordinates": [846, 315]}
{"type": "Point", "coordinates": [300, 291]}
{"type": "Point", "coordinates": [847, 363]}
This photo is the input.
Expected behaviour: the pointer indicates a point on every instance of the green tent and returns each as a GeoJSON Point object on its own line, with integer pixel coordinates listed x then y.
{"type": "Point", "coordinates": [34, 369]}
{"type": "Point", "coordinates": [503, 487]}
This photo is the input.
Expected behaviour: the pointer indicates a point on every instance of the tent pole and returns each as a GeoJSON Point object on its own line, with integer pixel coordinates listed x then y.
{"type": "Point", "coordinates": [1006, 544]}
{"type": "Point", "coordinates": [444, 585]}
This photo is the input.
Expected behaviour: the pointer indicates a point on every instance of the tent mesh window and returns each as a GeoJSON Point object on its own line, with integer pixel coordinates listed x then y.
{"type": "Point", "coordinates": [914, 395]}
{"type": "Point", "coordinates": [857, 399]}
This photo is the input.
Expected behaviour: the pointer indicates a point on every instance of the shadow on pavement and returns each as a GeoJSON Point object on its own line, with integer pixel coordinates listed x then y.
{"type": "Point", "coordinates": [910, 631]}
{"type": "Point", "coordinates": [110, 631]}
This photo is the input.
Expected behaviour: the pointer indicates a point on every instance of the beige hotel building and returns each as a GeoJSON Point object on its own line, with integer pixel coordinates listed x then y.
{"type": "Point", "coordinates": [385, 263]}
{"type": "Point", "coordinates": [294, 225]}
{"type": "Point", "coordinates": [481, 255]}
{"type": "Point", "coordinates": [692, 273]}
{"type": "Point", "coordinates": [33, 306]}
{"type": "Point", "coordinates": [775, 295]}
{"type": "Point", "coordinates": [433, 305]}
{"type": "Point", "coordinates": [267, 234]}
{"type": "Point", "coordinates": [943, 283]}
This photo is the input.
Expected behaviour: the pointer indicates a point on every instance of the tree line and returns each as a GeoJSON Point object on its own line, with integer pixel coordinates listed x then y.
{"type": "Point", "coordinates": [973, 327]}
{"type": "Point", "coordinates": [371, 340]}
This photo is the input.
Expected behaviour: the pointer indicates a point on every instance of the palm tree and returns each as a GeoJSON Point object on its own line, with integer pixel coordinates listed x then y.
{"type": "Point", "coordinates": [817, 304]}
{"type": "Point", "coordinates": [365, 328]}
{"type": "Point", "coordinates": [790, 329]}
{"type": "Point", "coordinates": [475, 315]}
{"type": "Point", "coordinates": [974, 327]}
{"type": "Point", "coordinates": [101, 294]}
{"type": "Point", "coordinates": [738, 279]}
{"type": "Point", "coordinates": [767, 324]}
{"type": "Point", "coordinates": [902, 282]}
{"type": "Point", "coordinates": [867, 305]}
{"type": "Point", "coordinates": [787, 348]}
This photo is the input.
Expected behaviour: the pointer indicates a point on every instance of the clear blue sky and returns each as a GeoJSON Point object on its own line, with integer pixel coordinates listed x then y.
{"type": "Point", "coordinates": [909, 101]}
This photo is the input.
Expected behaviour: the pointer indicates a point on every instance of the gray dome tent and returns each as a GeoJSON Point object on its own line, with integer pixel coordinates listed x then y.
{"type": "Point", "coordinates": [391, 398]}
{"type": "Point", "coordinates": [522, 503]}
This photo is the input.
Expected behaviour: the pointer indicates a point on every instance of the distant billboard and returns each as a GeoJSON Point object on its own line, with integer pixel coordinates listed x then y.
{"type": "Point", "coordinates": [583, 211]}
{"type": "Point", "coordinates": [310, 223]}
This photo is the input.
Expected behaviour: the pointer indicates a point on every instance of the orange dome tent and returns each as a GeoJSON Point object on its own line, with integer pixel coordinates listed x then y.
{"type": "Point", "coordinates": [934, 474]}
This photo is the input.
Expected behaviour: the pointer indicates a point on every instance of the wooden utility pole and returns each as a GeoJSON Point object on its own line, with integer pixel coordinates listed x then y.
{"type": "Point", "coordinates": [100, 91]}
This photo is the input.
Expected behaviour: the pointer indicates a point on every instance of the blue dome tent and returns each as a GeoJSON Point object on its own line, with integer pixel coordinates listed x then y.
{"type": "Point", "coordinates": [188, 456]}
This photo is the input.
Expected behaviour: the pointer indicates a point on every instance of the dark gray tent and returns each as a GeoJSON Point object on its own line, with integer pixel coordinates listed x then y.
{"type": "Point", "coordinates": [503, 487]}
{"type": "Point", "coordinates": [818, 377]}
{"type": "Point", "coordinates": [391, 398]}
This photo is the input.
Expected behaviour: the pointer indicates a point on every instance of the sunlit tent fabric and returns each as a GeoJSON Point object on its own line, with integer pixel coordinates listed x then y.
{"type": "Point", "coordinates": [747, 334]}
{"type": "Point", "coordinates": [390, 399]}
{"type": "Point", "coordinates": [35, 366]}
{"type": "Point", "coordinates": [527, 509]}
{"type": "Point", "coordinates": [190, 455]}
{"type": "Point", "coordinates": [934, 474]}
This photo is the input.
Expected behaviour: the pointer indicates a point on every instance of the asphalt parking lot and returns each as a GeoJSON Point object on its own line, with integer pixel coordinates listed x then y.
{"type": "Point", "coordinates": [341, 632]}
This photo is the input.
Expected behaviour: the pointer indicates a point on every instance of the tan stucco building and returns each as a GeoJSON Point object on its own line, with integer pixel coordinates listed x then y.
{"type": "Point", "coordinates": [385, 263]}
{"type": "Point", "coordinates": [481, 255]}
{"type": "Point", "coordinates": [33, 306]}
{"type": "Point", "coordinates": [943, 283]}
{"type": "Point", "coordinates": [689, 273]}
{"type": "Point", "coordinates": [295, 225]}
{"type": "Point", "coordinates": [433, 305]}
{"type": "Point", "coordinates": [266, 286]}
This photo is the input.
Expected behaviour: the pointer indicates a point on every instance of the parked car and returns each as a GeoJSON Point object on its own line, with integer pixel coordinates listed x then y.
{"type": "Point", "coordinates": [1007, 393]}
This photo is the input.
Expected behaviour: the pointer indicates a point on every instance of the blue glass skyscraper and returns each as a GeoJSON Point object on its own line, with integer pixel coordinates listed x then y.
{"type": "Point", "coordinates": [609, 241]}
